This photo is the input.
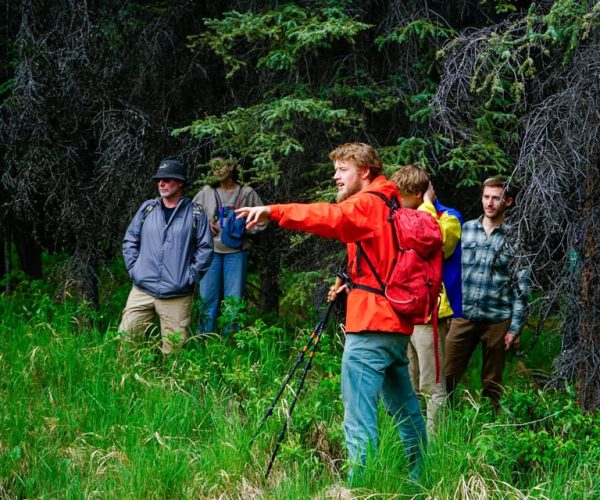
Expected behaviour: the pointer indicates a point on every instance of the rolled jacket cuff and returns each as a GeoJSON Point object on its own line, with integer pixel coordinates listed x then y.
{"type": "Point", "coordinates": [275, 213]}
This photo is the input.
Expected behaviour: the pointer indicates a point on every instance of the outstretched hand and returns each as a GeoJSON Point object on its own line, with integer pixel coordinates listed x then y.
{"type": "Point", "coordinates": [253, 215]}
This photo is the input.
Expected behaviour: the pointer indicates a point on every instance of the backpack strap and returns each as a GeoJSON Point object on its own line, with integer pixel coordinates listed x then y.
{"type": "Point", "coordinates": [217, 199]}
{"type": "Point", "coordinates": [151, 206]}
{"type": "Point", "coordinates": [220, 208]}
{"type": "Point", "coordinates": [196, 212]}
{"type": "Point", "coordinates": [381, 289]}
{"type": "Point", "coordinates": [238, 198]}
{"type": "Point", "coordinates": [393, 204]}
{"type": "Point", "coordinates": [436, 341]}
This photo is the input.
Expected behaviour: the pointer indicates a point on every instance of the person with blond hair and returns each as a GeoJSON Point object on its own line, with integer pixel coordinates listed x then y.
{"type": "Point", "coordinates": [426, 375]}
{"type": "Point", "coordinates": [374, 362]}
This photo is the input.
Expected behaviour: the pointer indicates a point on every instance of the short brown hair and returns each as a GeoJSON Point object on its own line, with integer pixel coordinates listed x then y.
{"type": "Point", "coordinates": [499, 181]}
{"type": "Point", "coordinates": [411, 179]}
{"type": "Point", "coordinates": [363, 156]}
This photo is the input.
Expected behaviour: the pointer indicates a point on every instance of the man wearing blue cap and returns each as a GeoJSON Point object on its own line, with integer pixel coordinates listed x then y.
{"type": "Point", "coordinates": [167, 249]}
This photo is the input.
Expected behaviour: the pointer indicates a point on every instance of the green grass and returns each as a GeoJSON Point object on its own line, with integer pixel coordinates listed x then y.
{"type": "Point", "coordinates": [81, 418]}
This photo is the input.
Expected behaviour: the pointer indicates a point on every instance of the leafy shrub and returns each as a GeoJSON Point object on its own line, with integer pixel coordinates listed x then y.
{"type": "Point", "coordinates": [542, 430]}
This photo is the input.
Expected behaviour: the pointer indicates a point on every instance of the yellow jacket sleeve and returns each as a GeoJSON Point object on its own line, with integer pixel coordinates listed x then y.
{"type": "Point", "coordinates": [449, 225]}
{"type": "Point", "coordinates": [451, 233]}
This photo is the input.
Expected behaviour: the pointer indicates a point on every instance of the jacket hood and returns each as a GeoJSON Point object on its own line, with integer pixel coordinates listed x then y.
{"type": "Point", "coordinates": [383, 186]}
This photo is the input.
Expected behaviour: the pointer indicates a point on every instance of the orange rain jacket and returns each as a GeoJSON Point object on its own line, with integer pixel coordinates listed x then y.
{"type": "Point", "coordinates": [361, 217]}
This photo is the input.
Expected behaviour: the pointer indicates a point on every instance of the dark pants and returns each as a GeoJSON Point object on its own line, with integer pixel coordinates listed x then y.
{"type": "Point", "coordinates": [461, 340]}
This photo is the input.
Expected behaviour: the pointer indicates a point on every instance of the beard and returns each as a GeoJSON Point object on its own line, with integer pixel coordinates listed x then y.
{"type": "Point", "coordinates": [347, 191]}
{"type": "Point", "coordinates": [496, 214]}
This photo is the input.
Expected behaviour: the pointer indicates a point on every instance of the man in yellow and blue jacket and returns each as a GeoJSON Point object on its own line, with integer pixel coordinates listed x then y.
{"type": "Point", "coordinates": [417, 192]}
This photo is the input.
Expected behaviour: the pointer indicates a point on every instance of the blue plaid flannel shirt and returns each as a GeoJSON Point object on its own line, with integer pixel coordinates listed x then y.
{"type": "Point", "coordinates": [492, 290]}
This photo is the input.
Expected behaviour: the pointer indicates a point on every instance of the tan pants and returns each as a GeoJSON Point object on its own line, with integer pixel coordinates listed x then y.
{"type": "Point", "coordinates": [421, 368]}
{"type": "Point", "coordinates": [175, 317]}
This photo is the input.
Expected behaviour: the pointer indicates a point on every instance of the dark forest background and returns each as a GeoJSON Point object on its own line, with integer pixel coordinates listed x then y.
{"type": "Point", "coordinates": [94, 94]}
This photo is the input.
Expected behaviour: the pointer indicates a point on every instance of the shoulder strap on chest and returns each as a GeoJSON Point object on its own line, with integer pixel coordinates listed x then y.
{"type": "Point", "coordinates": [238, 198]}
{"type": "Point", "coordinates": [393, 204]}
{"type": "Point", "coordinates": [151, 206]}
{"type": "Point", "coordinates": [196, 213]}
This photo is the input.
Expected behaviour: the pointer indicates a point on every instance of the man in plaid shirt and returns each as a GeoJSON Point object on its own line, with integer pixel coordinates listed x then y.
{"type": "Point", "coordinates": [494, 303]}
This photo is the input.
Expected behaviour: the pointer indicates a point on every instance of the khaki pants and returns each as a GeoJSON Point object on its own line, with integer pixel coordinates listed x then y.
{"type": "Point", "coordinates": [462, 339]}
{"type": "Point", "coordinates": [175, 317]}
{"type": "Point", "coordinates": [421, 368]}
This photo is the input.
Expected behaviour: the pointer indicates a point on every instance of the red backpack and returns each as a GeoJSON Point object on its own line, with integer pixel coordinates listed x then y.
{"type": "Point", "coordinates": [415, 281]}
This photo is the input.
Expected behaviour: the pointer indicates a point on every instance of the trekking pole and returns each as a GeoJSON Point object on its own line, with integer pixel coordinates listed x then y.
{"type": "Point", "coordinates": [317, 337]}
{"type": "Point", "coordinates": [312, 344]}
{"type": "Point", "coordinates": [299, 360]}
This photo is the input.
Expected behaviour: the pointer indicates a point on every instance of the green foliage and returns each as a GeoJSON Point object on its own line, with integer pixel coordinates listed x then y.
{"type": "Point", "coordinates": [545, 430]}
{"type": "Point", "coordinates": [408, 150]}
{"type": "Point", "coordinates": [509, 57]}
{"type": "Point", "coordinates": [266, 132]}
{"type": "Point", "coordinates": [361, 90]}
{"type": "Point", "coordinates": [298, 293]}
{"type": "Point", "coordinates": [565, 22]}
{"type": "Point", "coordinates": [275, 129]}
{"type": "Point", "coordinates": [278, 37]}
{"type": "Point", "coordinates": [6, 86]}
{"type": "Point", "coordinates": [233, 314]}
{"type": "Point", "coordinates": [341, 102]}
{"type": "Point", "coordinates": [477, 158]}
{"type": "Point", "coordinates": [423, 30]}
{"type": "Point", "coordinates": [503, 6]}
{"type": "Point", "coordinates": [84, 417]}
{"type": "Point", "coordinates": [508, 62]}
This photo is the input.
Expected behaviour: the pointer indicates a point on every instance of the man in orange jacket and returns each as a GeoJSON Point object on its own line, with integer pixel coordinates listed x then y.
{"type": "Point", "coordinates": [374, 362]}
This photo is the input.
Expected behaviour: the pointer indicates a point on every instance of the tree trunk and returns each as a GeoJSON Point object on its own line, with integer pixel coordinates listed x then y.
{"type": "Point", "coordinates": [85, 274]}
{"type": "Point", "coordinates": [587, 372]}
{"type": "Point", "coordinates": [30, 255]}
{"type": "Point", "coordinates": [7, 261]}
{"type": "Point", "coordinates": [2, 261]}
